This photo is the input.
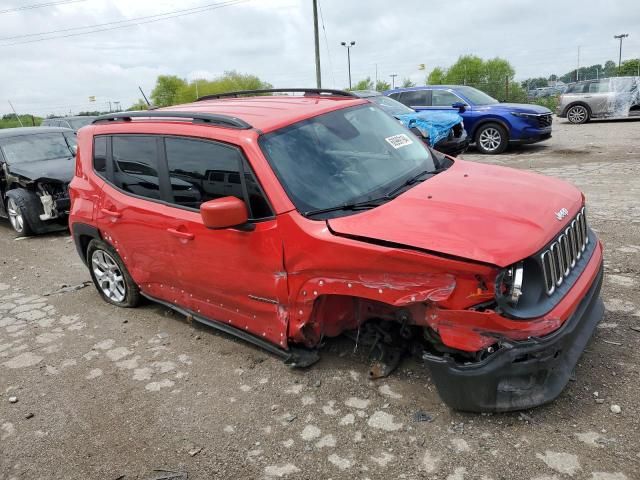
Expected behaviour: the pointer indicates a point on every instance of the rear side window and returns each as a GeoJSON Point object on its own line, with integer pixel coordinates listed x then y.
{"type": "Point", "coordinates": [135, 165]}
{"type": "Point", "coordinates": [416, 98]}
{"type": "Point", "coordinates": [201, 171]}
{"type": "Point", "coordinates": [578, 88]}
{"type": "Point", "coordinates": [100, 155]}
{"type": "Point", "coordinates": [601, 86]}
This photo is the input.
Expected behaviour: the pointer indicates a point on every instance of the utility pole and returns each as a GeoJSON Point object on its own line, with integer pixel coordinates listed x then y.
{"type": "Point", "coordinates": [393, 80]}
{"type": "Point", "coordinates": [16, 113]}
{"type": "Point", "coordinates": [348, 47]}
{"type": "Point", "coordinates": [316, 38]}
{"type": "Point", "coordinates": [620, 37]}
{"type": "Point", "coordinates": [375, 87]}
{"type": "Point", "coordinates": [578, 66]}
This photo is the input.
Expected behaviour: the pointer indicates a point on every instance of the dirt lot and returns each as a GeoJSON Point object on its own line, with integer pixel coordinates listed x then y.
{"type": "Point", "coordinates": [106, 393]}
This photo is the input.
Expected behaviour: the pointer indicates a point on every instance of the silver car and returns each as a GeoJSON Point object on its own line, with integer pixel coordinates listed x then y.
{"type": "Point", "coordinates": [605, 98]}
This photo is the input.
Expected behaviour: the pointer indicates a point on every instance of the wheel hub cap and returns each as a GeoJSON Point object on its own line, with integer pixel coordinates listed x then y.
{"type": "Point", "coordinates": [108, 276]}
{"type": "Point", "coordinates": [490, 139]}
{"type": "Point", "coordinates": [15, 217]}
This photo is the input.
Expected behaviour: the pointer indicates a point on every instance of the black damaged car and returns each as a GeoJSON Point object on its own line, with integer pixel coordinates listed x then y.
{"type": "Point", "coordinates": [36, 166]}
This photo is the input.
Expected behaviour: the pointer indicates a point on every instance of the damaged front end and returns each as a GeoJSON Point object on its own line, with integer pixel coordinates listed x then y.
{"type": "Point", "coordinates": [54, 198]}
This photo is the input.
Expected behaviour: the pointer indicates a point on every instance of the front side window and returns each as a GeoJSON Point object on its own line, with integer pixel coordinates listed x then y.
{"type": "Point", "coordinates": [35, 148]}
{"type": "Point", "coordinates": [476, 97]}
{"type": "Point", "coordinates": [442, 98]}
{"type": "Point", "coordinates": [200, 171]}
{"type": "Point", "coordinates": [342, 157]}
{"type": "Point", "coordinates": [578, 88]}
{"type": "Point", "coordinates": [135, 165]}
{"type": "Point", "coordinates": [601, 86]}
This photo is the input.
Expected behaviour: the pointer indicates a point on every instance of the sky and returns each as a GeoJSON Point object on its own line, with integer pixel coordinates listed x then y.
{"type": "Point", "coordinates": [56, 73]}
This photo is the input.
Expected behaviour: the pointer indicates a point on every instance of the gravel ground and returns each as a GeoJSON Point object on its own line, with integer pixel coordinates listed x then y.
{"type": "Point", "coordinates": [107, 393]}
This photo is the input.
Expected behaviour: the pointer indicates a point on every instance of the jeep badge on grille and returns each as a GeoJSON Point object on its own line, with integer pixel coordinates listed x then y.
{"type": "Point", "coordinates": [560, 214]}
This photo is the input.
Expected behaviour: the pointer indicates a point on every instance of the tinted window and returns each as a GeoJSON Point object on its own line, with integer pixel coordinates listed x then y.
{"type": "Point", "coordinates": [201, 171]}
{"type": "Point", "coordinates": [135, 165]}
{"type": "Point", "coordinates": [100, 154]}
{"type": "Point", "coordinates": [442, 98]}
{"type": "Point", "coordinates": [417, 98]}
{"type": "Point", "coordinates": [77, 123]}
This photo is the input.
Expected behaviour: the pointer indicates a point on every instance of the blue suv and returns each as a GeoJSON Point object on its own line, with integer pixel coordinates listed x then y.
{"type": "Point", "coordinates": [492, 125]}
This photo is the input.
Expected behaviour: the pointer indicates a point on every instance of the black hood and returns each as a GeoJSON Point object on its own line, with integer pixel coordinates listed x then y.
{"type": "Point", "coordinates": [58, 169]}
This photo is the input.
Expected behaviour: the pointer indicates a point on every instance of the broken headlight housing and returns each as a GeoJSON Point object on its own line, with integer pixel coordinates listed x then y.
{"type": "Point", "coordinates": [509, 284]}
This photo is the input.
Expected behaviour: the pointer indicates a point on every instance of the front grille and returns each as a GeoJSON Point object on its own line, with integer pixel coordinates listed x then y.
{"type": "Point", "coordinates": [559, 260]}
{"type": "Point", "coordinates": [545, 121]}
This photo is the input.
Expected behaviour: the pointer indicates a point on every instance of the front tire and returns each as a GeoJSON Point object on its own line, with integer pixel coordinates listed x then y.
{"type": "Point", "coordinates": [578, 114]}
{"type": "Point", "coordinates": [491, 139]}
{"type": "Point", "coordinates": [110, 276]}
{"type": "Point", "coordinates": [18, 217]}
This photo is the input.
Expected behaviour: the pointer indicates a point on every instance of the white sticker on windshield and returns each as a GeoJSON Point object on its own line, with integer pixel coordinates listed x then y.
{"type": "Point", "coordinates": [399, 141]}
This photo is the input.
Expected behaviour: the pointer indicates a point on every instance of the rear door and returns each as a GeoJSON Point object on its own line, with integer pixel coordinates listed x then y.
{"type": "Point", "coordinates": [416, 99]}
{"type": "Point", "coordinates": [232, 275]}
{"type": "Point", "coordinates": [132, 216]}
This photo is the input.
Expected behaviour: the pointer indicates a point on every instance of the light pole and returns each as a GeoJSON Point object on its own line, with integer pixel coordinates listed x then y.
{"type": "Point", "coordinates": [348, 46]}
{"type": "Point", "coordinates": [393, 80]}
{"type": "Point", "coordinates": [620, 37]}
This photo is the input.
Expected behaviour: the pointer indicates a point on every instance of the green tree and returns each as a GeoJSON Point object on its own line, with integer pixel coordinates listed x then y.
{"type": "Point", "coordinates": [166, 91]}
{"type": "Point", "coordinates": [139, 105]}
{"type": "Point", "coordinates": [436, 77]}
{"type": "Point", "coordinates": [407, 83]}
{"type": "Point", "coordinates": [468, 70]}
{"type": "Point", "coordinates": [610, 68]}
{"type": "Point", "coordinates": [533, 83]}
{"type": "Point", "coordinates": [231, 81]}
{"type": "Point", "coordinates": [630, 67]}
{"type": "Point", "coordinates": [365, 84]}
{"type": "Point", "coordinates": [382, 86]}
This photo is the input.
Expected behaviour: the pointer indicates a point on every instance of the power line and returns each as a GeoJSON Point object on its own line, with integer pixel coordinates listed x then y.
{"type": "Point", "coordinates": [326, 43]}
{"type": "Point", "coordinates": [39, 5]}
{"type": "Point", "coordinates": [120, 23]}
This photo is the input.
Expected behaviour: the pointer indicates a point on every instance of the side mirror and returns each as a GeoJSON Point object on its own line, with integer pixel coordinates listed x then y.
{"type": "Point", "coordinates": [224, 212]}
{"type": "Point", "coordinates": [462, 107]}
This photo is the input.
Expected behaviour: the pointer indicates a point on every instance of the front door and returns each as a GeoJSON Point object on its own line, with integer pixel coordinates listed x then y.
{"type": "Point", "coordinates": [233, 275]}
{"type": "Point", "coordinates": [131, 216]}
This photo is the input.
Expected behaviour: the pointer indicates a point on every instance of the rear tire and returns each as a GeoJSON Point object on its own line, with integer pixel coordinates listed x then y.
{"type": "Point", "coordinates": [491, 139]}
{"type": "Point", "coordinates": [110, 276]}
{"type": "Point", "coordinates": [578, 114]}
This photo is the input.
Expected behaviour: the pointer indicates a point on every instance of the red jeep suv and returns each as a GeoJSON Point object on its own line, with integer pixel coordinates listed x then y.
{"type": "Point", "coordinates": [284, 219]}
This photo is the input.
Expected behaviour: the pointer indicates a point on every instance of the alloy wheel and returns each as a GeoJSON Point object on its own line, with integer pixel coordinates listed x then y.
{"type": "Point", "coordinates": [490, 139]}
{"type": "Point", "coordinates": [577, 114]}
{"type": "Point", "coordinates": [108, 276]}
{"type": "Point", "coordinates": [15, 216]}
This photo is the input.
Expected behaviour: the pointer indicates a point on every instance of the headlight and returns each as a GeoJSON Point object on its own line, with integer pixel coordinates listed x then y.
{"type": "Point", "coordinates": [522, 114]}
{"type": "Point", "coordinates": [509, 283]}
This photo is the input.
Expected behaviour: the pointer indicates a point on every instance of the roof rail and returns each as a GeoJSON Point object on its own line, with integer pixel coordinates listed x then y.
{"type": "Point", "coordinates": [306, 91]}
{"type": "Point", "coordinates": [206, 118]}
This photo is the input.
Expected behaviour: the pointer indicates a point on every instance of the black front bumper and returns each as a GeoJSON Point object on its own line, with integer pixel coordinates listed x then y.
{"type": "Point", "coordinates": [524, 374]}
{"type": "Point", "coordinates": [453, 146]}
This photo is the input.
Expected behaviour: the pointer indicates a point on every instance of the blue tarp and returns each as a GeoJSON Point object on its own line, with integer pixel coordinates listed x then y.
{"type": "Point", "coordinates": [434, 125]}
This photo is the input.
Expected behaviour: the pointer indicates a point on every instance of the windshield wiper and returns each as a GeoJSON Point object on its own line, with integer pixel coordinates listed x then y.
{"type": "Point", "coordinates": [412, 180]}
{"type": "Point", "coordinates": [364, 205]}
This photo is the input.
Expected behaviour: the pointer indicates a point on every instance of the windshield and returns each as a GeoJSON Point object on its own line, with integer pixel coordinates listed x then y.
{"type": "Point", "coordinates": [391, 106]}
{"type": "Point", "coordinates": [476, 97]}
{"type": "Point", "coordinates": [34, 148]}
{"type": "Point", "coordinates": [346, 156]}
{"type": "Point", "coordinates": [77, 123]}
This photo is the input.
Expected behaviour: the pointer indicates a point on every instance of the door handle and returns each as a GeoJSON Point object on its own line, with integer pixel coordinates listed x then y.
{"type": "Point", "coordinates": [111, 213]}
{"type": "Point", "coordinates": [179, 234]}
